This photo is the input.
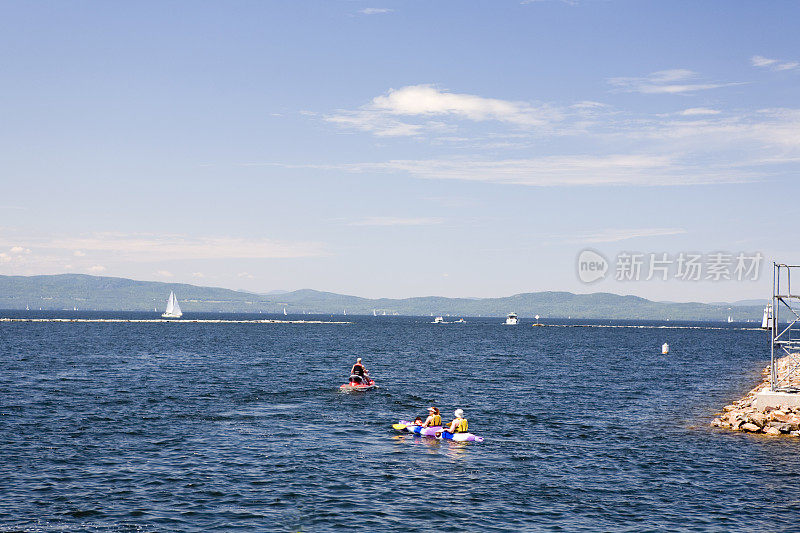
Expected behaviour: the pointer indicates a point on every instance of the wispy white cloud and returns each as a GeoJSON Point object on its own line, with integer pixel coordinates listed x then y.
{"type": "Point", "coordinates": [773, 64]}
{"type": "Point", "coordinates": [426, 100]}
{"type": "Point", "coordinates": [397, 221]}
{"type": "Point", "coordinates": [568, 2]}
{"type": "Point", "coordinates": [121, 250]}
{"type": "Point", "coordinates": [375, 11]}
{"type": "Point", "coordinates": [552, 171]}
{"type": "Point", "coordinates": [390, 114]}
{"type": "Point", "coordinates": [148, 246]}
{"type": "Point", "coordinates": [623, 234]}
{"type": "Point", "coordinates": [198, 275]}
{"type": "Point", "coordinates": [697, 145]}
{"type": "Point", "coordinates": [164, 274]}
{"type": "Point", "coordinates": [17, 255]}
{"type": "Point", "coordinates": [245, 275]}
{"type": "Point", "coordinates": [730, 138]}
{"type": "Point", "coordinates": [377, 123]}
{"type": "Point", "coordinates": [696, 111]}
{"type": "Point", "coordinates": [675, 81]}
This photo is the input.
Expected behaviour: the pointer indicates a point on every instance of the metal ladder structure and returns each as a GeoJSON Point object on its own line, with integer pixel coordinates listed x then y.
{"type": "Point", "coordinates": [785, 317]}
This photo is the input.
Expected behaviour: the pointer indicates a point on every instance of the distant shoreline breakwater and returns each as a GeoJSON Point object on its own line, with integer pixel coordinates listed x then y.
{"type": "Point", "coordinates": [744, 415]}
{"type": "Point", "coordinates": [279, 321]}
{"type": "Point", "coordinates": [171, 321]}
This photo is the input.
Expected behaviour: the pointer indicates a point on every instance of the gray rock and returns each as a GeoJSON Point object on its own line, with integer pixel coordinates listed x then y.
{"type": "Point", "coordinates": [780, 426]}
{"type": "Point", "coordinates": [758, 419]}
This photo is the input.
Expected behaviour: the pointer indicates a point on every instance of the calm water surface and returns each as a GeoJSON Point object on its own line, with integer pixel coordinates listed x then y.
{"type": "Point", "coordinates": [201, 427]}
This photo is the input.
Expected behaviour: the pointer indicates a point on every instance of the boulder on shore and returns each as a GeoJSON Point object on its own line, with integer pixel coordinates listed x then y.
{"type": "Point", "coordinates": [744, 416]}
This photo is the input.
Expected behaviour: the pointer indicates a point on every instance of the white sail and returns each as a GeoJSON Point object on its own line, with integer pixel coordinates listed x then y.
{"type": "Point", "coordinates": [173, 308]}
{"type": "Point", "coordinates": [284, 310]}
{"type": "Point", "coordinates": [766, 320]}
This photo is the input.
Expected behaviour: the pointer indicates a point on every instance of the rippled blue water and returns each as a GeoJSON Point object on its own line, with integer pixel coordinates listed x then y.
{"type": "Point", "coordinates": [200, 427]}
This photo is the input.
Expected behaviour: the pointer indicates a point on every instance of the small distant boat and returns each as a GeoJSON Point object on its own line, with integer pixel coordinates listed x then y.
{"type": "Point", "coordinates": [284, 311]}
{"type": "Point", "coordinates": [345, 312]}
{"type": "Point", "coordinates": [511, 319]}
{"type": "Point", "coordinates": [460, 321]}
{"type": "Point", "coordinates": [664, 349]}
{"type": "Point", "coordinates": [173, 308]}
{"type": "Point", "coordinates": [766, 320]}
{"type": "Point", "coordinates": [730, 319]}
{"type": "Point", "coordinates": [374, 313]}
{"type": "Point", "coordinates": [438, 320]}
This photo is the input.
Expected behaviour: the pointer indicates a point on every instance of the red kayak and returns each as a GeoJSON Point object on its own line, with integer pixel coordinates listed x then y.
{"type": "Point", "coordinates": [358, 383]}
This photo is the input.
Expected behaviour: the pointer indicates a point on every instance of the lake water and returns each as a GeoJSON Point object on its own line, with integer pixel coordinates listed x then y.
{"type": "Point", "coordinates": [201, 427]}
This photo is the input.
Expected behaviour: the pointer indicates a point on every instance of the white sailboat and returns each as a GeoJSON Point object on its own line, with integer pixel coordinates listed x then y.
{"type": "Point", "coordinates": [173, 308]}
{"type": "Point", "coordinates": [374, 313]}
{"type": "Point", "coordinates": [284, 311]}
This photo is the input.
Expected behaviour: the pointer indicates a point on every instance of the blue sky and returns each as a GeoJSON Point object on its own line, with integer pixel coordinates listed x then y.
{"type": "Point", "coordinates": [397, 148]}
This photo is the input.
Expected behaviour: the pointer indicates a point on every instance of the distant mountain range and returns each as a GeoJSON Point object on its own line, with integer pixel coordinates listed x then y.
{"type": "Point", "coordinates": [68, 291]}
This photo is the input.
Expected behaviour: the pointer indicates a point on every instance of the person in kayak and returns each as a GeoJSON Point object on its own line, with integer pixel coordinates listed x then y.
{"type": "Point", "coordinates": [418, 422]}
{"type": "Point", "coordinates": [434, 418]}
{"type": "Point", "coordinates": [458, 425]}
{"type": "Point", "coordinates": [360, 370]}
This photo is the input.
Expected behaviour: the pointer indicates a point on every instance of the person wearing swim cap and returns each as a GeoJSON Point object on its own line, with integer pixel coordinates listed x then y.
{"type": "Point", "coordinates": [458, 425]}
{"type": "Point", "coordinates": [434, 418]}
{"type": "Point", "coordinates": [359, 370]}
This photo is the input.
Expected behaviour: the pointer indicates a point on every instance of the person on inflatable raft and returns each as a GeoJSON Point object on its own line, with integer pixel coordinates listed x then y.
{"type": "Point", "coordinates": [458, 425]}
{"type": "Point", "coordinates": [434, 418]}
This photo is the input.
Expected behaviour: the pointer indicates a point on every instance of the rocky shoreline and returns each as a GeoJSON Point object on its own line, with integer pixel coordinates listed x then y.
{"type": "Point", "coordinates": [773, 421]}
